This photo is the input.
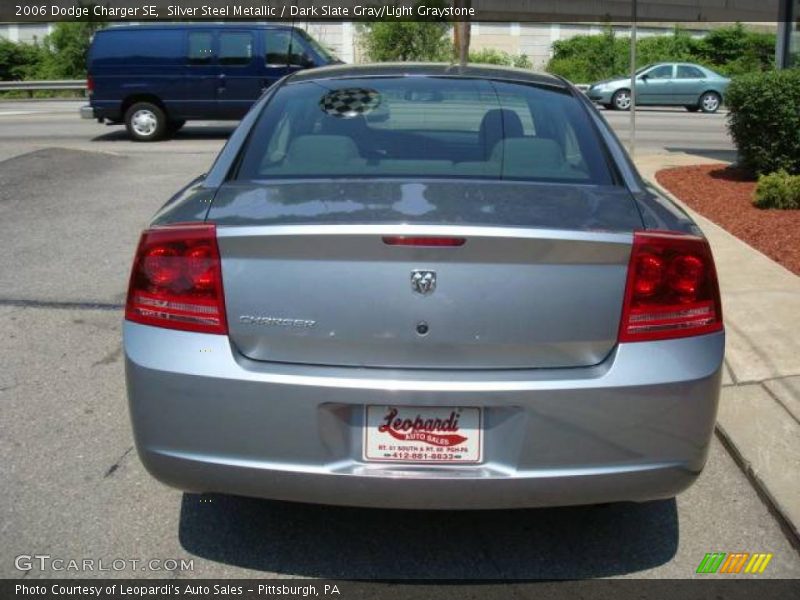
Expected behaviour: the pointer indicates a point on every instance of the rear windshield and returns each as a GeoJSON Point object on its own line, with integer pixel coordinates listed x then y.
{"type": "Point", "coordinates": [424, 127]}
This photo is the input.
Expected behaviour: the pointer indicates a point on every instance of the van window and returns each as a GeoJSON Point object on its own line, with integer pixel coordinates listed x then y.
{"type": "Point", "coordinates": [276, 44]}
{"type": "Point", "coordinates": [155, 47]}
{"type": "Point", "coordinates": [201, 48]}
{"type": "Point", "coordinates": [235, 48]}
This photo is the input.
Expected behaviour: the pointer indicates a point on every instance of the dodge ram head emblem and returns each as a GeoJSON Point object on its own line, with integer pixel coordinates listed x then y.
{"type": "Point", "coordinates": [423, 282]}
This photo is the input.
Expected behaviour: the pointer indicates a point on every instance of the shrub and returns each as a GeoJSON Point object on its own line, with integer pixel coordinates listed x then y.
{"type": "Point", "coordinates": [491, 56]}
{"type": "Point", "coordinates": [587, 58]}
{"type": "Point", "coordinates": [778, 190]}
{"type": "Point", "coordinates": [731, 50]}
{"type": "Point", "coordinates": [19, 60]}
{"type": "Point", "coordinates": [764, 120]}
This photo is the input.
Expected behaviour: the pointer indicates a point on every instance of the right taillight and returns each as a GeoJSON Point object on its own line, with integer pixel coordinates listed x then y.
{"type": "Point", "coordinates": [672, 289]}
{"type": "Point", "coordinates": [176, 281]}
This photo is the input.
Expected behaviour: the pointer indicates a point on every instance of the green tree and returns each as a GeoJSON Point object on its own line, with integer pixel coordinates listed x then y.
{"type": "Point", "coordinates": [19, 60]}
{"type": "Point", "coordinates": [66, 49]}
{"type": "Point", "coordinates": [393, 40]}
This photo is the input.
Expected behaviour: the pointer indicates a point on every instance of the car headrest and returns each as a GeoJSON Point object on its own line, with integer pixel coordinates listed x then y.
{"type": "Point", "coordinates": [322, 150]}
{"type": "Point", "coordinates": [536, 156]}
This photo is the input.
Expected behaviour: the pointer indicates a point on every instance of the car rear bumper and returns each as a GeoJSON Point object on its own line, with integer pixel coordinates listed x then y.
{"type": "Point", "coordinates": [87, 112]}
{"type": "Point", "coordinates": [636, 427]}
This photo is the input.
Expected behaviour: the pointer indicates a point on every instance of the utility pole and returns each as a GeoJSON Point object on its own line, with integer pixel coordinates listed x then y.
{"type": "Point", "coordinates": [461, 31]}
{"type": "Point", "coordinates": [632, 140]}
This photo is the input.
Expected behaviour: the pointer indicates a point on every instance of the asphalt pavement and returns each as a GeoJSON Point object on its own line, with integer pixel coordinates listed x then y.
{"type": "Point", "coordinates": [73, 198]}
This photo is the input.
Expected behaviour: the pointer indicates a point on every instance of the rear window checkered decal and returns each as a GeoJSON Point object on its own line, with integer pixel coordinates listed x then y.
{"type": "Point", "coordinates": [350, 102]}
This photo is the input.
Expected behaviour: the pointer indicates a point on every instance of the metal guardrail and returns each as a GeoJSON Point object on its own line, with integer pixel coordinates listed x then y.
{"type": "Point", "coordinates": [80, 84]}
{"type": "Point", "coordinates": [34, 86]}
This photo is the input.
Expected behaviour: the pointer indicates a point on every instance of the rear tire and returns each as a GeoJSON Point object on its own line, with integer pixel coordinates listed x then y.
{"type": "Point", "coordinates": [145, 122]}
{"type": "Point", "coordinates": [621, 100]}
{"type": "Point", "coordinates": [710, 102]}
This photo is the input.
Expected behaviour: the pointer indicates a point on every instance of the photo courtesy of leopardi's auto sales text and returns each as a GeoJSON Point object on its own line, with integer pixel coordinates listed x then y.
{"type": "Point", "coordinates": [399, 299]}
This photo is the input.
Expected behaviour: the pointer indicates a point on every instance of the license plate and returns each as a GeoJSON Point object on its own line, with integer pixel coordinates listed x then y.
{"type": "Point", "coordinates": [418, 434]}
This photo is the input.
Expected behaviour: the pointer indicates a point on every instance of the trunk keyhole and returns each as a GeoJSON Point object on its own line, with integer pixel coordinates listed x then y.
{"type": "Point", "coordinates": [422, 328]}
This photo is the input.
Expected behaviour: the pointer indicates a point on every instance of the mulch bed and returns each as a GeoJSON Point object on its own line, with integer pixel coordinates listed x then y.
{"type": "Point", "coordinates": [724, 195]}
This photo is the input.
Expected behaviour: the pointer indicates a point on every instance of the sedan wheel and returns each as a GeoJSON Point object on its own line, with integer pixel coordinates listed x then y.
{"type": "Point", "coordinates": [709, 102]}
{"type": "Point", "coordinates": [622, 100]}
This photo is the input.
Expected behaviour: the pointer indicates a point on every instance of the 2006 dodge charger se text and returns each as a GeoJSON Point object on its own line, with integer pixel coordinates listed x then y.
{"type": "Point", "coordinates": [424, 286]}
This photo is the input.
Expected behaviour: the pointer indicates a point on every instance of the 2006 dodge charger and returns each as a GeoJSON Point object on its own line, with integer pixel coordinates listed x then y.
{"type": "Point", "coordinates": [424, 286]}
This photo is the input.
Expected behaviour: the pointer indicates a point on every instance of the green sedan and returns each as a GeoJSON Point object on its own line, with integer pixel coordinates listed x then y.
{"type": "Point", "coordinates": [664, 84]}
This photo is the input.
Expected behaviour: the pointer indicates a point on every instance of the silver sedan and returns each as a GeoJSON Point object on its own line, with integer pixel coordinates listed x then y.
{"type": "Point", "coordinates": [424, 286]}
{"type": "Point", "coordinates": [695, 87]}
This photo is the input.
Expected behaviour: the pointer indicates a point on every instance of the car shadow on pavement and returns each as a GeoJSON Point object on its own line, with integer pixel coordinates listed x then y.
{"type": "Point", "coordinates": [190, 132]}
{"type": "Point", "coordinates": [726, 155]}
{"type": "Point", "coordinates": [355, 543]}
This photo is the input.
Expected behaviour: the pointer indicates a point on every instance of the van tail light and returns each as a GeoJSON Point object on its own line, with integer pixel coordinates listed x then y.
{"type": "Point", "coordinates": [672, 289]}
{"type": "Point", "coordinates": [176, 281]}
{"type": "Point", "coordinates": [90, 85]}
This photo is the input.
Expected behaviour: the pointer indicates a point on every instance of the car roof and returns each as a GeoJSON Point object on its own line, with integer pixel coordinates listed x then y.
{"type": "Point", "coordinates": [427, 70]}
{"type": "Point", "coordinates": [202, 25]}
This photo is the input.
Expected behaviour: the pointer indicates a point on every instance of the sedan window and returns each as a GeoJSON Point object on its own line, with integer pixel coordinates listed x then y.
{"type": "Point", "coordinates": [431, 127]}
{"type": "Point", "coordinates": [662, 72]}
{"type": "Point", "coordinates": [689, 72]}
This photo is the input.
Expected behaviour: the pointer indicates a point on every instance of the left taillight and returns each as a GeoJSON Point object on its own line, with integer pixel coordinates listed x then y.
{"type": "Point", "coordinates": [176, 280]}
{"type": "Point", "coordinates": [90, 85]}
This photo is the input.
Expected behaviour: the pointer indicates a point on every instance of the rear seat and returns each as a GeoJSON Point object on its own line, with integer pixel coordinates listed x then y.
{"type": "Point", "coordinates": [337, 154]}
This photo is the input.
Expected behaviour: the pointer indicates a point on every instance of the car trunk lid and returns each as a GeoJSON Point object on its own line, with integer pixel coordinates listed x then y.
{"type": "Point", "coordinates": [310, 278]}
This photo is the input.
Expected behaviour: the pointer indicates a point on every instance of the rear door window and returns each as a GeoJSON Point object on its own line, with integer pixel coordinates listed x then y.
{"type": "Point", "coordinates": [235, 48]}
{"type": "Point", "coordinates": [688, 72]}
{"type": "Point", "coordinates": [201, 48]}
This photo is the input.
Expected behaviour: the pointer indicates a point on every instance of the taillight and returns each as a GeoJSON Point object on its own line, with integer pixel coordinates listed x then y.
{"type": "Point", "coordinates": [432, 242]}
{"type": "Point", "coordinates": [89, 85]}
{"type": "Point", "coordinates": [176, 281]}
{"type": "Point", "coordinates": [672, 288]}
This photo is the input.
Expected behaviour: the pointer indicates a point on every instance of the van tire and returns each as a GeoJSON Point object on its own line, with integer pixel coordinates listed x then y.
{"type": "Point", "coordinates": [145, 122]}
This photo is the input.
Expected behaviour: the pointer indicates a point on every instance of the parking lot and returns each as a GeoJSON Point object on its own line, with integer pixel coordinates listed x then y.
{"type": "Point", "coordinates": [73, 197]}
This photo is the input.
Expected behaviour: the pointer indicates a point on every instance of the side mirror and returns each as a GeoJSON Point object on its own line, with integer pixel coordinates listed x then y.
{"type": "Point", "coordinates": [644, 77]}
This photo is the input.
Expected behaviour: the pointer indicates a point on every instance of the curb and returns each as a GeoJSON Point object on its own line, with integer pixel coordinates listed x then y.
{"type": "Point", "coordinates": [790, 529]}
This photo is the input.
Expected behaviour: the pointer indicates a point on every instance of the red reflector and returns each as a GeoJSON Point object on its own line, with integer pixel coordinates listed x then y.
{"type": "Point", "coordinates": [176, 281]}
{"type": "Point", "coordinates": [433, 242]}
{"type": "Point", "coordinates": [672, 289]}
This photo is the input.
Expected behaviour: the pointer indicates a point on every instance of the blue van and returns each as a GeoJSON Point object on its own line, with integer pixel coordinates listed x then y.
{"type": "Point", "coordinates": [154, 78]}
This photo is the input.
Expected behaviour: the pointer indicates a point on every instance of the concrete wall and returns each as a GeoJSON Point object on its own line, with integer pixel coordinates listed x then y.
{"type": "Point", "coordinates": [25, 32]}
